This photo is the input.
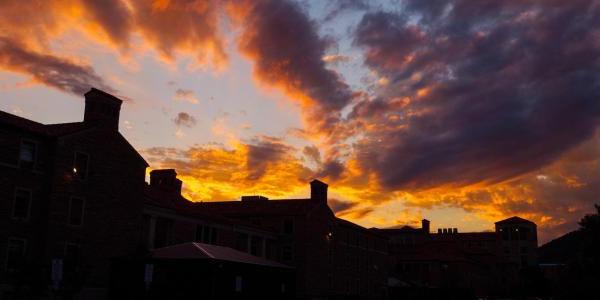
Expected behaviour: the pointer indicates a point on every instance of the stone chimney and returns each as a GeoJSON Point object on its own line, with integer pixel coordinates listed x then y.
{"type": "Point", "coordinates": [425, 226]}
{"type": "Point", "coordinates": [318, 191]}
{"type": "Point", "coordinates": [102, 108]}
{"type": "Point", "coordinates": [165, 179]}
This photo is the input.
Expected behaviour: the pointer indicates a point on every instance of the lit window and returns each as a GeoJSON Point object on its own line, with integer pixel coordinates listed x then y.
{"type": "Point", "coordinates": [22, 204]}
{"type": "Point", "coordinates": [80, 165]}
{"type": "Point", "coordinates": [76, 207]}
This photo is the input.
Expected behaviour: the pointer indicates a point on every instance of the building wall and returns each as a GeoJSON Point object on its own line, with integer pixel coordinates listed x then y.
{"type": "Point", "coordinates": [519, 242]}
{"type": "Point", "coordinates": [112, 204]}
{"type": "Point", "coordinates": [187, 228]}
{"type": "Point", "coordinates": [16, 175]}
{"type": "Point", "coordinates": [331, 259]}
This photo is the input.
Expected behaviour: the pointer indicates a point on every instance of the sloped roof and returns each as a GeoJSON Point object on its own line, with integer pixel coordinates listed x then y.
{"type": "Point", "coordinates": [55, 130]}
{"type": "Point", "coordinates": [51, 130]}
{"type": "Point", "coordinates": [207, 251]}
{"type": "Point", "coordinates": [257, 208]}
{"type": "Point", "coordinates": [514, 220]}
{"type": "Point", "coordinates": [170, 200]}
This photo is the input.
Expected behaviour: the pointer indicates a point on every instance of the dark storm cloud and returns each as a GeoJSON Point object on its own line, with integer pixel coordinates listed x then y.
{"type": "Point", "coordinates": [53, 71]}
{"type": "Point", "coordinates": [265, 151]}
{"type": "Point", "coordinates": [185, 119]}
{"type": "Point", "coordinates": [287, 52]}
{"type": "Point", "coordinates": [479, 91]}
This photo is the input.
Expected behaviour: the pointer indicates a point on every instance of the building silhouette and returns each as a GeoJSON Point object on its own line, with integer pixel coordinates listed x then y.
{"type": "Point", "coordinates": [76, 215]}
{"type": "Point", "coordinates": [69, 192]}
{"type": "Point", "coordinates": [465, 265]}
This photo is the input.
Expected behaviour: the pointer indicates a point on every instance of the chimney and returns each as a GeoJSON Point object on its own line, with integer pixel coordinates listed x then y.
{"type": "Point", "coordinates": [318, 191]}
{"type": "Point", "coordinates": [254, 198]}
{"type": "Point", "coordinates": [425, 226]}
{"type": "Point", "coordinates": [165, 179]}
{"type": "Point", "coordinates": [439, 231]}
{"type": "Point", "coordinates": [445, 231]}
{"type": "Point", "coordinates": [455, 230]}
{"type": "Point", "coordinates": [102, 108]}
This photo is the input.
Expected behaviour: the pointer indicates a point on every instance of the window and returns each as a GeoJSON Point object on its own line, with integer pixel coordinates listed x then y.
{"type": "Point", "coordinates": [524, 261]}
{"type": "Point", "coordinates": [256, 245]}
{"type": "Point", "coordinates": [15, 254]}
{"type": "Point", "coordinates": [22, 204]}
{"type": "Point", "coordinates": [76, 208]}
{"type": "Point", "coordinates": [286, 253]}
{"type": "Point", "coordinates": [162, 232]}
{"type": "Point", "coordinates": [72, 256]}
{"type": "Point", "coordinates": [241, 242]}
{"type": "Point", "coordinates": [238, 283]}
{"type": "Point", "coordinates": [288, 226]}
{"type": "Point", "coordinates": [213, 236]}
{"type": "Point", "coordinates": [198, 233]}
{"type": "Point", "coordinates": [206, 234]}
{"type": "Point", "coordinates": [80, 165]}
{"type": "Point", "coordinates": [27, 153]}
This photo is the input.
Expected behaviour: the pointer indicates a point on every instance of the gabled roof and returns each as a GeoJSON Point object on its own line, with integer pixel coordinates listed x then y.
{"type": "Point", "coordinates": [213, 252]}
{"type": "Point", "coordinates": [342, 222]}
{"type": "Point", "coordinates": [403, 229]}
{"type": "Point", "coordinates": [50, 130]}
{"type": "Point", "coordinates": [55, 130]}
{"type": "Point", "coordinates": [514, 220]}
{"type": "Point", "coordinates": [21, 123]}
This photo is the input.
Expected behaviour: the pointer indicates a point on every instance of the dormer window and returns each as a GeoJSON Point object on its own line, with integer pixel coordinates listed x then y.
{"type": "Point", "coordinates": [80, 165]}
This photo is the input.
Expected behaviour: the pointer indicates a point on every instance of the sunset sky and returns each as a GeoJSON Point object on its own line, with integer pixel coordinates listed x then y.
{"type": "Point", "coordinates": [461, 112]}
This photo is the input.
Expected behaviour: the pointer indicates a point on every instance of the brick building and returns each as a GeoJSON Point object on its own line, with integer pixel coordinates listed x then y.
{"type": "Point", "coordinates": [75, 193]}
{"type": "Point", "coordinates": [333, 257]}
{"type": "Point", "coordinates": [467, 263]}
{"type": "Point", "coordinates": [71, 192]}
{"type": "Point", "coordinates": [518, 240]}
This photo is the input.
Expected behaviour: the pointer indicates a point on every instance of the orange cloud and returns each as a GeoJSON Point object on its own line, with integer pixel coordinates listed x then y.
{"type": "Point", "coordinates": [266, 166]}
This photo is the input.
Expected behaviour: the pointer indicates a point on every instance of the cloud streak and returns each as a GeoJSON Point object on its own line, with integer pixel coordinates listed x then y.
{"type": "Point", "coordinates": [287, 53]}
{"type": "Point", "coordinates": [56, 72]}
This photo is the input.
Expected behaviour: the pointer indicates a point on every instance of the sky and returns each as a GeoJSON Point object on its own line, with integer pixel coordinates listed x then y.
{"type": "Point", "coordinates": [461, 112]}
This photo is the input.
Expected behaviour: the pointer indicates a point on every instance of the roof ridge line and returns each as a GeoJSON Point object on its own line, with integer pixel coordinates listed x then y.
{"type": "Point", "coordinates": [197, 245]}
